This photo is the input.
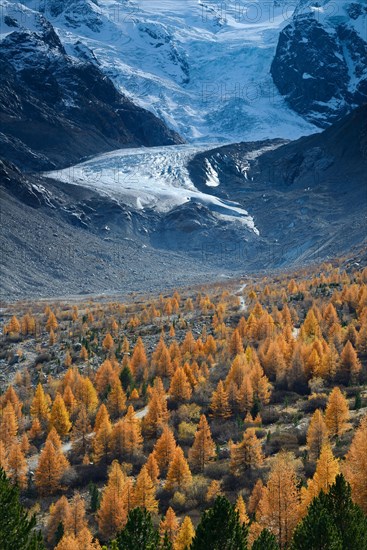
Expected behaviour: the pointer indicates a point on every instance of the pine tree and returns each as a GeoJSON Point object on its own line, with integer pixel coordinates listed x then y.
{"type": "Point", "coordinates": [144, 491]}
{"type": "Point", "coordinates": [246, 454]}
{"type": "Point", "coordinates": [126, 379]}
{"type": "Point", "coordinates": [266, 541]}
{"type": "Point", "coordinates": [51, 467]}
{"type": "Point", "coordinates": [180, 389]}
{"type": "Point", "coordinates": [138, 532]}
{"type": "Point", "coordinates": [337, 413]}
{"type": "Point", "coordinates": [317, 434]}
{"type": "Point", "coordinates": [17, 466]}
{"type": "Point", "coordinates": [203, 448]}
{"type": "Point", "coordinates": [219, 403]}
{"type": "Point", "coordinates": [278, 509]}
{"type": "Point", "coordinates": [112, 513]}
{"type": "Point", "coordinates": [164, 449]}
{"type": "Point", "coordinates": [169, 526]}
{"type": "Point", "coordinates": [179, 476]}
{"type": "Point", "coordinates": [16, 526]}
{"type": "Point", "coordinates": [185, 535]}
{"type": "Point", "coordinates": [332, 522]}
{"type": "Point", "coordinates": [59, 418]}
{"type": "Point", "coordinates": [220, 529]}
{"type": "Point", "coordinates": [356, 465]}
{"type": "Point", "coordinates": [95, 497]}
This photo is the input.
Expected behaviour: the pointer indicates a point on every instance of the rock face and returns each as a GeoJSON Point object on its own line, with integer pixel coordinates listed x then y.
{"type": "Point", "coordinates": [55, 109]}
{"type": "Point", "coordinates": [320, 65]}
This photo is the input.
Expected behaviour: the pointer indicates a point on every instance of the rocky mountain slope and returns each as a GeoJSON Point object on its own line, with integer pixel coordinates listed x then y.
{"type": "Point", "coordinates": [56, 109]}
{"type": "Point", "coordinates": [320, 65]}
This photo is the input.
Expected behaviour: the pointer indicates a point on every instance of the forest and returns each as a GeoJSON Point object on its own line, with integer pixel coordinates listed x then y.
{"type": "Point", "coordinates": [228, 416]}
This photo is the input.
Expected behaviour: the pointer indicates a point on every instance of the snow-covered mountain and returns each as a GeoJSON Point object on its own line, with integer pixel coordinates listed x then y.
{"type": "Point", "coordinates": [202, 66]}
{"type": "Point", "coordinates": [320, 64]}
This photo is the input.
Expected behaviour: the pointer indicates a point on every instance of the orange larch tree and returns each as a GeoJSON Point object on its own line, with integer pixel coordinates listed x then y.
{"type": "Point", "coordinates": [203, 448]}
{"type": "Point", "coordinates": [337, 413]}
{"type": "Point", "coordinates": [179, 475]}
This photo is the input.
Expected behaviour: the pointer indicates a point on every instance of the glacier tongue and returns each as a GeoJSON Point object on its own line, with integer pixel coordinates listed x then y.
{"type": "Point", "coordinates": [202, 66]}
{"type": "Point", "coordinates": [156, 178]}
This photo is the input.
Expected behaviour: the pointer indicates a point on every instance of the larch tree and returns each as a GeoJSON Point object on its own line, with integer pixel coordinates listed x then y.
{"type": "Point", "coordinates": [337, 413]}
{"type": "Point", "coordinates": [139, 361]}
{"type": "Point", "coordinates": [144, 492]}
{"type": "Point", "coordinates": [203, 448]}
{"type": "Point", "coordinates": [185, 535]}
{"type": "Point", "coordinates": [101, 416]}
{"type": "Point", "coordinates": [59, 417]}
{"type": "Point", "coordinates": [179, 475]}
{"type": "Point", "coordinates": [106, 376]}
{"type": "Point", "coordinates": [356, 465]}
{"type": "Point", "coordinates": [349, 366]}
{"type": "Point", "coordinates": [278, 508]}
{"type": "Point", "coordinates": [219, 402]}
{"type": "Point", "coordinates": [317, 434]}
{"type": "Point", "coordinates": [116, 401]}
{"type": "Point", "coordinates": [4, 458]}
{"type": "Point", "coordinates": [240, 507]}
{"type": "Point", "coordinates": [76, 520]}
{"type": "Point", "coordinates": [102, 442]}
{"type": "Point", "coordinates": [255, 497]}
{"type": "Point", "coordinates": [39, 407]}
{"type": "Point", "coordinates": [108, 342]}
{"type": "Point", "coordinates": [180, 389]}
{"type": "Point", "coordinates": [126, 438]}
{"type": "Point", "coordinates": [152, 468]}
{"type": "Point", "coordinates": [18, 467]}
{"type": "Point", "coordinates": [80, 435]}
{"type": "Point", "coordinates": [13, 326]}
{"type": "Point", "coordinates": [247, 453]}
{"type": "Point", "coordinates": [10, 395]}
{"type": "Point", "coordinates": [51, 467]}
{"type": "Point", "coordinates": [58, 517]}
{"type": "Point", "coordinates": [164, 449]}
{"type": "Point", "coordinates": [112, 513]}
{"type": "Point", "coordinates": [327, 468]}
{"type": "Point", "coordinates": [157, 415]}
{"type": "Point", "coordinates": [8, 425]}
{"type": "Point", "coordinates": [168, 526]}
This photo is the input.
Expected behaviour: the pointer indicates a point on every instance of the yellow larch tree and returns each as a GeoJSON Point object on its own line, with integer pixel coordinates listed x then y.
{"type": "Point", "coordinates": [241, 509]}
{"type": "Point", "coordinates": [101, 416]}
{"type": "Point", "coordinates": [102, 441]}
{"type": "Point", "coordinates": [80, 435]}
{"type": "Point", "coordinates": [108, 342]}
{"type": "Point", "coordinates": [116, 401]}
{"type": "Point", "coordinates": [179, 475]}
{"type": "Point", "coordinates": [59, 512]}
{"type": "Point", "coordinates": [39, 407]}
{"type": "Point", "coordinates": [139, 361]}
{"type": "Point", "coordinates": [51, 467]}
{"type": "Point", "coordinates": [10, 395]}
{"type": "Point", "coordinates": [144, 491]}
{"type": "Point", "coordinates": [51, 323]}
{"type": "Point", "coordinates": [169, 526]}
{"type": "Point", "coordinates": [349, 366]}
{"type": "Point", "coordinates": [214, 490]}
{"type": "Point", "coordinates": [203, 448]}
{"type": "Point", "coordinates": [76, 519]}
{"type": "Point", "coordinates": [106, 376]}
{"type": "Point", "coordinates": [152, 468]}
{"type": "Point", "coordinates": [4, 458]}
{"type": "Point", "coordinates": [164, 449]}
{"type": "Point", "coordinates": [8, 425]}
{"type": "Point", "coordinates": [59, 417]}
{"type": "Point", "coordinates": [317, 434]}
{"type": "Point", "coordinates": [278, 509]}
{"type": "Point", "coordinates": [180, 389]}
{"type": "Point", "coordinates": [126, 438]}
{"type": "Point", "coordinates": [185, 535]}
{"type": "Point", "coordinates": [17, 466]}
{"type": "Point", "coordinates": [337, 413]}
{"type": "Point", "coordinates": [219, 402]}
{"type": "Point", "coordinates": [112, 513]}
{"type": "Point", "coordinates": [356, 465]}
{"type": "Point", "coordinates": [157, 415]}
{"type": "Point", "coordinates": [327, 468]}
{"type": "Point", "coordinates": [255, 497]}
{"type": "Point", "coordinates": [247, 453]}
